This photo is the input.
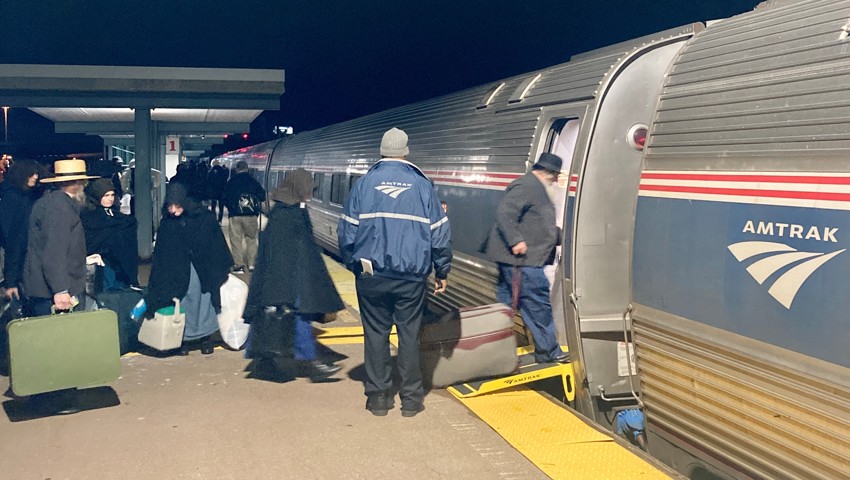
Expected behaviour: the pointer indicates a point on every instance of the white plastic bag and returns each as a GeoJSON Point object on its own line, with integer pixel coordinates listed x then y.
{"type": "Point", "coordinates": [234, 295]}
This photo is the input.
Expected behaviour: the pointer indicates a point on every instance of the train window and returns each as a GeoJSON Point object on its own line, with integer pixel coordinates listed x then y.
{"type": "Point", "coordinates": [490, 95]}
{"type": "Point", "coordinates": [338, 189]}
{"type": "Point", "coordinates": [523, 88]}
{"type": "Point", "coordinates": [318, 180]}
{"type": "Point", "coordinates": [280, 176]}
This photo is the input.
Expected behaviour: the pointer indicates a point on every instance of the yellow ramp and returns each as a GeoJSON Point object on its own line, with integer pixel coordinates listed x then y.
{"type": "Point", "coordinates": [555, 440]}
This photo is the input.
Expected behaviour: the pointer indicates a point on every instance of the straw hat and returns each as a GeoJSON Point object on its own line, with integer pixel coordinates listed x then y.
{"type": "Point", "coordinates": [68, 170]}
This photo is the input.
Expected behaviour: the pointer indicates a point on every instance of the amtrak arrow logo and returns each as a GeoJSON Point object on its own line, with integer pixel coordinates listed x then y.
{"type": "Point", "coordinates": [391, 190]}
{"type": "Point", "coordinates": [785, 288]}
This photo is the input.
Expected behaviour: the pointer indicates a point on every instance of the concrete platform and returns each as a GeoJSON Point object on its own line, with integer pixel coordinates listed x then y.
{"type": "Point", "coordinates": [204, 417]}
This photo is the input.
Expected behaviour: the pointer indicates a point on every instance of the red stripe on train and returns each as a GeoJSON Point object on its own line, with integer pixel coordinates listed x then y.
{"type": "Point", "coordinates": [748, 178]}
{"type": "Point", "coordinates": [838, 197]}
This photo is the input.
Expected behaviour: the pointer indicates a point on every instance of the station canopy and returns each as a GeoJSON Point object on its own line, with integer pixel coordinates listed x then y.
{"type": "Point", "coordinates": [197, 104]}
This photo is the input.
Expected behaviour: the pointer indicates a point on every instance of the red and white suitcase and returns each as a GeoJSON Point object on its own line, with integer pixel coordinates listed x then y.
{"type": "Point", "coordinates": [469, 344]}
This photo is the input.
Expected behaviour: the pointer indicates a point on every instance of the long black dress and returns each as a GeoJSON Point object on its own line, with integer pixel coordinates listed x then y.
{"type": "Point", "coordinates": [191, 242]}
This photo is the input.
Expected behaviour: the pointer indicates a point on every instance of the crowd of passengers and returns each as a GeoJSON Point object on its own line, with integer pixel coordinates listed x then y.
{"type": "Point", "coordinates": [54, 224]}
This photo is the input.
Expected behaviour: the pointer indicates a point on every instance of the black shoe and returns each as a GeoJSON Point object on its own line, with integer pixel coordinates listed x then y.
{"type": "Point", "coordinates": [379, 404]}
{"type": "Point", "coordinates": [184, 350]}
{"type": "Point", "coordinates": [562, 358]}
{"type": "Point", "coordinates": [320, 371]}
{"type": "Point", "coordinates": [207, 347]}
{"type": "Point", "coordinates": [412, 412]}
{"type": "Point", "coordinates": [238, 270]}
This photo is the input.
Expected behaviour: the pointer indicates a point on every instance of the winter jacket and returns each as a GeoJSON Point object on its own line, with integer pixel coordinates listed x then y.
{"type": "Point", "coordinates": [56, 248]}
{"type": "Point", "coordinates": [394, 219]}
{"type": "Point", "coordinates": [241, 185]}
{"type": "Point", "coordinates": [15, 208]}
{"type": "Point", "coordinates": [525, 214]}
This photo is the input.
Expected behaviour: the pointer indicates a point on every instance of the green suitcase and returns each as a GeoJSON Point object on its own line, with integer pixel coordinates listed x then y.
{"type": "Point", "coordinates": [56, 352]}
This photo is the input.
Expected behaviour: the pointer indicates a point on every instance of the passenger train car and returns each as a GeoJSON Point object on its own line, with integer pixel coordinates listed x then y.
{"type": "Point", "coordinates": [705, 199]}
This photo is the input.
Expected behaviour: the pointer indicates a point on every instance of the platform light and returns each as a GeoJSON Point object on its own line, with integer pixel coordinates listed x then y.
{"type": "Point", "coordinates": [6, 123]}
{"type": "Point", "coordinates": [244, 136]}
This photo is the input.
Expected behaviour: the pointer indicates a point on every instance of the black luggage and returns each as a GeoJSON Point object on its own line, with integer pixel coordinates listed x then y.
{"type": "Point", "coordinates": [122, 303]}
{"type": "Point", "coordinates": [272, 333]}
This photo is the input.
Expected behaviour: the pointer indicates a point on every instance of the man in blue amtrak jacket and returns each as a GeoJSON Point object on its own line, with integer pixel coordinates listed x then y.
{"type": "Point", "coordinates": [392, 231]}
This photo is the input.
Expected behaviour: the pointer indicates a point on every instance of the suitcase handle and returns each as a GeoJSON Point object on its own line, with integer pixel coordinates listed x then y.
{"type": "Point", "coordinates": [53, 310]}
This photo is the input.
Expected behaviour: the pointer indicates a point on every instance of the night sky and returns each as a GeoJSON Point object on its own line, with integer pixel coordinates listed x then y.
{"type": "Point", "coordinates": [343, 59]}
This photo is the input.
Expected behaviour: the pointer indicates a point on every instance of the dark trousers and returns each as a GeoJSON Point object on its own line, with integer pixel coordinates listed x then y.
{"type": "Point", "coordinates": [383, 303]}
{"type": "Point", "coordinates": [534, 306]}
{"type": "Point", "coordinates": [305, 339]}
{"type": "Point", "coordinates": [216, 203]}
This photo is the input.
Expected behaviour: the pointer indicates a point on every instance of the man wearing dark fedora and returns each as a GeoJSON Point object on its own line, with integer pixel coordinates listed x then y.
{"type": "Point", "coordinates": [55, 265]}
{"type": "Point", "coordinates": [522, 242]}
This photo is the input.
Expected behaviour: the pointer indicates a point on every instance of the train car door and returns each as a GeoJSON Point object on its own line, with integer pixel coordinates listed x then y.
{"type": "Point", "coordinates": [563, 136]}
{"type": "Point", "coordinates": [606, 175]}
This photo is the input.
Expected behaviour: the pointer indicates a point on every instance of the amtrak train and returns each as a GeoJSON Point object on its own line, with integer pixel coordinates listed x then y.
{"type": "Point", "coordinates": [704, 202]}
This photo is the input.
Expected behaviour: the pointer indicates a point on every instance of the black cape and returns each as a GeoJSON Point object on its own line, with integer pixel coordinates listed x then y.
{"type": "Point", "coordinates": [290, 267]}
{"type": "Point", "coordinates": [194, 238]}
{"type": "Point", "coordinates": [114, 238]}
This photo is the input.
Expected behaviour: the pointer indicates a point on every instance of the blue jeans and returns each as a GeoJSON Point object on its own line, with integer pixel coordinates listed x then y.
{"type": "Point", "coordinates": [305, 342]}
{"type": "Point", "coordinates": [534, 306]}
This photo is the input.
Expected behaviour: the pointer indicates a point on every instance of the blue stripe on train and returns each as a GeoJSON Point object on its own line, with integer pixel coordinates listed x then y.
{"type": "Point", "coordinates": [682, 265]}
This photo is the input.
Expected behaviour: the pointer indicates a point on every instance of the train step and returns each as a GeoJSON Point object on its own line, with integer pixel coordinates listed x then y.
{"type": "Point", "coordinates": [529, 371]}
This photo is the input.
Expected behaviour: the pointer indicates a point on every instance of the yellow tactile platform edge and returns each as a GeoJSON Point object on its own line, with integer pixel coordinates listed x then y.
{"type": "Point", "coordinates": [555, 440]}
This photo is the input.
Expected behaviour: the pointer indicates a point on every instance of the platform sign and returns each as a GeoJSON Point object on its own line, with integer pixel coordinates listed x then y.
{"type": "Point", "coordinates": [172, 155]}
{"type": "Point", "coordinates": [172, 145]}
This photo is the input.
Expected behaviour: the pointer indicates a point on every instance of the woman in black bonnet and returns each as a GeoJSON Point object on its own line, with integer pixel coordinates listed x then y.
{"type": "Point", "coordinates": [111, 234]}
{"type": "Point", "coordinates": [292, 276]}
{"type": "Point", "coordinates": [190, 261]}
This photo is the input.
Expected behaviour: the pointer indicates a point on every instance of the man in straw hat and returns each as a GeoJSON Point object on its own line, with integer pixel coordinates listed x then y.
{"type": "Point", "coordinates": [55, 266]}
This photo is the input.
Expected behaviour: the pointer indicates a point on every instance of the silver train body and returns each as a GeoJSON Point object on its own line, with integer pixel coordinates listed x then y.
{"type": "Point", "coordinates": [717, 254]}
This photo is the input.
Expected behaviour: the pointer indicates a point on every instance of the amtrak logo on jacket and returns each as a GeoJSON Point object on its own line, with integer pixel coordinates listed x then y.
{"type": "Point", "coordinates": [393, 189]}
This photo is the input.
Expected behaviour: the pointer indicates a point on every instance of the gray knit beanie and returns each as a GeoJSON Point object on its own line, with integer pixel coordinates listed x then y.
{"type": "Point", "coordinates": [394, 143]}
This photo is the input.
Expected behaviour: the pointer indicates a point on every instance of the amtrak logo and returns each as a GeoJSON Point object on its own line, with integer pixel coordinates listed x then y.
{"type": "Point", "coordinates": [785, 288]}
{"type": "Point", "coordinates": [392, 190]}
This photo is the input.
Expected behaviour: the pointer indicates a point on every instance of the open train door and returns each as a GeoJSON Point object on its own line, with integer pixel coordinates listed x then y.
{"type": "Point", "coordinates": [604, 138]}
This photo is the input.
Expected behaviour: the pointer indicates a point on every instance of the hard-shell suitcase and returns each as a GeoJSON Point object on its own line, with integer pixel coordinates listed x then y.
{"type": "Point", "coordinates": [57, 352]}
{"type": "Point", "coordinates": [122, 302]}
{"type": "Point", "coordinates": [468, 344]}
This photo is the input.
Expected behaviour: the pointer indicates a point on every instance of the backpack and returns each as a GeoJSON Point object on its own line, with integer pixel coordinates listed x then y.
{"type": "Point", "coordinates": [248, 204]}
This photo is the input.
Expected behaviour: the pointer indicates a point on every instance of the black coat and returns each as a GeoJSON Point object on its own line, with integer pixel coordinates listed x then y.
{"type": "Point", "coordinates": [114, 238]}
{"type": "Point", "coordinates": [290, 267]}
{"type": "Point", "coordinates": [525, 214]}
{"type": "Point", "coordinates": [15, 208]}
{"type": "Point", "coordinates": [192, 239]}
{"type": "Point", "coordinates": [241, 184]}
{"type": "Point", "coordinates": [56, 248]}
